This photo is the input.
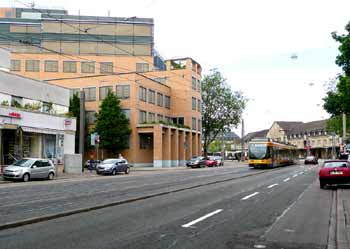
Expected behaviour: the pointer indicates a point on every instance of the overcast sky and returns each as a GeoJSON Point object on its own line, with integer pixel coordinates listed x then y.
{"type": "Point", "coordinates": [250, 41]}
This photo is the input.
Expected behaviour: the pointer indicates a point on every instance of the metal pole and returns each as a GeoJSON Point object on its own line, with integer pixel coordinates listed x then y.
{"type": "Point", "coordinates": [222, 146]}
{"type": "Point", "coordinates": [242, 153]}
{"type": "Point", "coordinates": [333, 148]}
{"type": "Point", "coordinates": [344, 128]}
{"type": "Point", "coordinates": [82, 127]}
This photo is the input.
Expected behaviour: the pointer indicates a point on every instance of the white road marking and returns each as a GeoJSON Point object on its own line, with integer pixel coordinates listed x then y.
{"type": "Point", "coordinates": [286, 180]}
{"type": "Point", "coordinates": [273, 185]}
{"type": "Point", "coordinates": [295, 175]}
{"type": "Point", "coordinates": [249, 196]}
{"type": "Point", "coordinates": [301, 173]}
{"type": "Point", "coordinates": [202, 218]}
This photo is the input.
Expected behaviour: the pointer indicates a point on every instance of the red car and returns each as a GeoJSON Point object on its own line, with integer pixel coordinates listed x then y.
{"type": "Point", "coordinates": [210, 162]}
{"type": "Point", "coordinates": [334, 172]}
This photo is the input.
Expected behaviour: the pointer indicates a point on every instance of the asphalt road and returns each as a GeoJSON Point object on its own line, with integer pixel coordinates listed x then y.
{"type": "Point", "coordinates": [280, 208]}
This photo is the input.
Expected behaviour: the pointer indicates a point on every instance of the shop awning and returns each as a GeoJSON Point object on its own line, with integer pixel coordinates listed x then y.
{"type": "Point", "coordinates": [41, 130]}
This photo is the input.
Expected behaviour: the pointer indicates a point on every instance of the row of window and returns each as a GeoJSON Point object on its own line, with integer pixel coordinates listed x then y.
{"type": "Point", "coordinates": [196, 84]}
{"type": "Point", "coordinates": [309, 134]}
{"type": "Point", "coordinates": [71, 66]}
{"type": "Point", "coordinates": [123, 92]}
{"type": "Point", "coordinates": [162, 100]}
{"type": "Point", "coordinates": [90, 116]}
{"type": "Point", "coordinates": [196, 104]}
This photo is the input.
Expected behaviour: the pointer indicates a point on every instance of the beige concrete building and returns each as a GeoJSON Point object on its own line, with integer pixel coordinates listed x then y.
{"type": "Point", "coordinates": [161, 98]}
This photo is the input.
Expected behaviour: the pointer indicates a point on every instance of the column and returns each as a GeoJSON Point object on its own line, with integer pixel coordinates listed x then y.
{"type": "Point", "coordinates": [175, 148]}
{"type": "Point", "coordinates": [199, 144]}
{"type": "Point", "coordinates": [194, 144]}
{"type": "Point", "coordinates": [188, 146]}
{"type": "Point", "coordinates": [157, 146]}
{"type": "Point", "coordinates": [167, 147]}
{"type": "Point", "coordinates": [181, 143]}
{"type": "Point", "coordinates": [1, 150]}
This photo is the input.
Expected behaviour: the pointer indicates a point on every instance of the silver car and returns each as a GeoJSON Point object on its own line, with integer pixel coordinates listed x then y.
{"type": "Point", "coordinates": [113, 166]}
{"type": "Point", "coordinates": [30, 168]}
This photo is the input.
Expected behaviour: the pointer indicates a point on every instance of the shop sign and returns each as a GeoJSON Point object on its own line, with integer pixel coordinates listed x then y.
{"type": "Point", "coordinates": [67, 122]}
{"type": "Point", "coordinates": [15, 115]}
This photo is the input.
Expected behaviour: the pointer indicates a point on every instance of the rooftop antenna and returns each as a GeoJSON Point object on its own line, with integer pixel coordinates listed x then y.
{"type": "Point", "coordinates": [32, 4]}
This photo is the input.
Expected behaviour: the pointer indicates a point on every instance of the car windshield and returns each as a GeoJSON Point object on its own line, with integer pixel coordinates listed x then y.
{"type": "Point", "coordinates": [23, 163]}
{"type": "Point", "coordinates": [110, 161]}
{"type": "Point", "coordinates": [310, 158]}
{"type": "Point", "coordinates": [335, 164]}
{"type": "Point", "coordinates": [195, 158]}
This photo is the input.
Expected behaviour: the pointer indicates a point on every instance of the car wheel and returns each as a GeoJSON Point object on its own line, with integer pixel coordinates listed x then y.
{"type": "Point", "coordinates": [127, 171]}
{"type": "Point", "coordinates": [26, 177]}
{"type": "Point", "coordinates": [50, 176]}
{"type": "Point", "coordinates": [322, 185]}
{"type": "Point", "coordinates": [114, 172]}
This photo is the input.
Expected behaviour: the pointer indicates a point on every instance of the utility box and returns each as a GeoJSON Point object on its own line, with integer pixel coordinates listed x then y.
{"type": "Point", "coordinates": [72, 163]}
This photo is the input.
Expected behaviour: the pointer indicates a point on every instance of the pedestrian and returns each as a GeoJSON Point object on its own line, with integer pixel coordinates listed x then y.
{"type": "Point", "coordinates": [120, 156]}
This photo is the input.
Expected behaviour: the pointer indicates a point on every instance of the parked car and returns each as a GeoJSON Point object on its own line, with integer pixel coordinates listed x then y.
{"type": "Point", "coordinates": [219, 160]}
{"type": "Point", "coordinates": [334, 172]}
{"type": "Point", "coordinates": [91, 164]}
{"type": "Point", "coordinates": [210, 161]}
{"type": "Point", "coordinates": [196, 162]}
{"type": "Point", "coordinates": [311, 160]}
{"type": "Point", "coordinates": [113, 166]}
{"type": "Point", "coordinates": [30, 168]}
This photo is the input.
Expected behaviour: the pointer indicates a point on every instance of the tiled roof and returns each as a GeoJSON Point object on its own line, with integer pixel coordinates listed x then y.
{"type": "Point", "coordinates": [255, 134]}
{"type": "Point", "coordinates": [319, 125]}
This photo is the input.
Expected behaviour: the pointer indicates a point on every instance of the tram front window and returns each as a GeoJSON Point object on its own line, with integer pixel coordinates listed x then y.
{"type": "Point", "coordinates": [259, 151]}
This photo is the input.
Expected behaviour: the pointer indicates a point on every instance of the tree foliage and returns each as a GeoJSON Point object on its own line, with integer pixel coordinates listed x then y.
{"type": "Point", "coordinates": [337, 100]}
{"type": "Point", "coordinates": [112, 125]}
{"type": "Point", "coordinates": [74, 111]}
{"type": "Point", "coordinates": [222, 108]}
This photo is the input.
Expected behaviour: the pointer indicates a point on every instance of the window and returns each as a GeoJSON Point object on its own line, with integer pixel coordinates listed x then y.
{"type": "Point", "coordinates": [194, 124]}
{"type": "Point", "coordinates": [106, 67]}
{"type": "Point", "coordinates": [161, 80]}
{"type": "Point", "coordinates": [159, 117]}
{"type": "Point", "coordinates": [88, 67]}
{"type": "Point", "coordinates": [167, 102]}
{"type": "Point", "coordinates": [51, 66]}
{"type": "Point", "coordinates": [142, 67]}
{"type": "Point", "coordinates": [194, 102]}
{"type": "Point", "coordinates": [142, 117]}
{"type": "Point", "coordinates": [159, 99]}
{"type": "Point", "coordinates": [47, 107]}
{"type": "Point", "coordinates": [90, 94]}
{"type": "Point", "coordinates": [199, 85]}
{"type": "Point", "coordinates": [16, 101]}
{"type": "Point", "coordinates": [126, 112]}
{"type": "Point", "coordinates": [123, 91]}
{"type": "Point", "coordinates": [75, 92]}
{"type": "Point", "coordinates": [151, 96]}
{"type": "Point", "coordinates": [151, 117]}
{"type": "Point", "coordinates": [142, 94]}
{"type": "Point", "coordinates": [69, 67]}
{"type": "Point", "coordinates": [90, 117]}
{"type": "Point", "coordinates": [15, 65]}
{"type": "Point", "coordinates": [198, 105]}
{"type": "Point", "coordinates": [194, 83]}
{"type": "Point", "coordinates": [104, 91]}
{"type": "Point", "coordinates": [32, 65]}
{"type": "Point", "coordinates": [146, 141]}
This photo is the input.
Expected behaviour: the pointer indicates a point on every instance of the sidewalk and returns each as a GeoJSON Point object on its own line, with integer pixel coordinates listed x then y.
{"type": "Point", "coordinates": [343, 219]}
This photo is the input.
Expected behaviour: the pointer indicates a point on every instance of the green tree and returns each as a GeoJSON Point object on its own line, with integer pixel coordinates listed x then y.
{"type": "Point", "coordinates": [112, 125]}
{"type": "Point", "coordinates": [222, 108]}
{"type": "Point", "coordinates": [337, 100]}
{"type": "Point", "coordinates": [74, 111]}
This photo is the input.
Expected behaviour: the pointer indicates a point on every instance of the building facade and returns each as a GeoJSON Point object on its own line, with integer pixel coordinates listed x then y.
{"type": "Point", "coordinates": [33, 121]}
{"type": "Point", "coordinates": [161, 98]}
{"type": "Point", "coordinates": [310, 138]}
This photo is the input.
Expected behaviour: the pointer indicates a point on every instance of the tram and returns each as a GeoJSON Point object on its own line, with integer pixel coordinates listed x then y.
{"type": "Point", "coordinates": [266, 153]}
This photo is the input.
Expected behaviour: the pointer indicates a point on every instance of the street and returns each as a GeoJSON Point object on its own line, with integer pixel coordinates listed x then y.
{"type": "Point", "coordinates": [246, 208]}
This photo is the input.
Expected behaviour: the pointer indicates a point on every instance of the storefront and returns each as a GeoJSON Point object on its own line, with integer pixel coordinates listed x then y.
{"type": "Point", "coordinates": [34, 134]}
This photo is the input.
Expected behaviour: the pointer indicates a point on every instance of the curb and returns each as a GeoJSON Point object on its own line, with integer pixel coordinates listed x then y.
{"type": "Point", "coordinates": [332, 233]}
{"type": "Point", "coordinates": [116, 203]}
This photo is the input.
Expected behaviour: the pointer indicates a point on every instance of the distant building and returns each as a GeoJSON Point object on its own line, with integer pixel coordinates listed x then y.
{"type": "Point", "coordinates": [312, 136]}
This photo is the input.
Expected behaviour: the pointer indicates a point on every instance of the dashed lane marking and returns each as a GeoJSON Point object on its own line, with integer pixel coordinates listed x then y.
{"type": "Point", "coordinates": [286, 180]}
{"type": "Point", "coordinates": [273, 185]}
{"type": "Point", "coordinates": [249, 196]}
{"type": "Point", "coordinates": [201, 218]}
